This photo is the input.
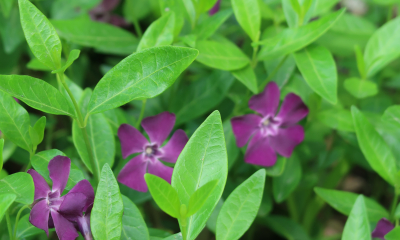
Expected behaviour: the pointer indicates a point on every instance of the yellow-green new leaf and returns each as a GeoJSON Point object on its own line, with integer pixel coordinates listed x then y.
{"type": "Point", "coordinates": [5, 202]}
{"type": "Point", "coordinates": [357, 225]}
{"type": "Point", "coordinates": [199, 197]}
{"type": "Point", "coordinates": [247, 13]}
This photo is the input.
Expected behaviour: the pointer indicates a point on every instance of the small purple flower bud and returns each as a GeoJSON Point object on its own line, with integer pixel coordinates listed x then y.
{"type": "Point", "coordinates": [382, 228]}
{"type": "Point", "coordinates": [215, 8]}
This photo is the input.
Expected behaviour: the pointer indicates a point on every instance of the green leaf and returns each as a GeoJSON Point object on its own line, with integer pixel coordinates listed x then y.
{"type": "Point", "coordinates": [37, 132]}
{"type": "Point", "coordinates": [6, 6]}
{"type": "Point", "coordinates": [357, 225]}
{"type": "Point", "coordinates": [108, 208]}
{"type": "Point", "coordinates": [221, 55]}
{"type": "Point", "coordinates": [286, 183]}
{"type": "Point", "coordinates": [293, 39]}
{"type": "Point", "coordinates": [337, 118]}
{"type": "Point", "coordinates": [200, 197]}
{"type": "Point", "coordinates": [360, 88]}
{"type": "Point", "coordinates": [20, 184]}
{"type": "Point", "coordinates": [344, 201]}
{"type": "Point", "coordinates": [241, 207]}
{"type": "Point", "coordinates": [296, 7]}
{"type": "Point", "coordinates": [36, 93]}
{"type": "Point", "coordinates": [202, 160]}
{"type": "Point", "coordinates": [318, 68]}
{"type": "Point", "coordinates": [190, 12]}
{"type": "Point", "coordinates": [177, 236]}
{"type": "Point", "coordinates": [284, 72]}
{"type": "Point", "coordinates": [73, 55]}
{"type": "Point", "coordinates": [392, 115]}
{"type": "Point", "coordinates": [159, 33]}
{"type": "Point", "coordinates": [5, 202]}
{"type": "Point", "coordinates": [133, 225]}
{"type": "Point", "coordinates": [293, 9]}
{"type": "Point", "coordinates": [1, 154]}
{"type": "Point", "coordinates": [26, 229]}
{"type": "Point", "coordinates": [35, 64]}
{"type": "Point", "coordinates": [360, 62]}
{"type": "Point", "coordinates": [394, 234]}
{"type": "Point", "coordinates": [207, 28]}
{"type": "Point", "coordinates": [247, 13]}
{"type": "Point", "coordinates": [40, 35]}
{"type": "Point", "coordinates": [247, 76]}
{"type": "Point", "coordinates": [374, 148]}
{"type": "Point", "coordinates": [202, 6]}
{"type": "Point", "coordinates": [383, 47]}
{"type": "Point", "coordinates": [103, 37]}
{"type": "Point", "coordinates": [230, 140]}
{"type": "Point", "coordinates": [286, 227]}
{"type": "Point", "coordinates": [142, 75]}
{"type": "Point", "coordinates": [40, 162]}
{"type": "Point", "coordinates": [14, 122]}
{"type": "Point", "coordinates": [278, 168]}
{"type": "Point", "coordinates": [164, 195]}
{"type": "Point", "coordinates": [11, 30]}
{"type": "Point", "coordinates": [212, 221]}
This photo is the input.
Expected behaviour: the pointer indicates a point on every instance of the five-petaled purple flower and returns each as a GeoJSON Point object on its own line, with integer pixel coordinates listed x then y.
{"type": "Point", "coordinates": [382, 228]}
{"type": "Point", "coordinates": [270, 133]}
{"type": "Point", "coordinates": [132, 141]}
{"type": "Point", "coordinates": [102, 13]}
{"type": "Point", "coordinates": [53, 210]}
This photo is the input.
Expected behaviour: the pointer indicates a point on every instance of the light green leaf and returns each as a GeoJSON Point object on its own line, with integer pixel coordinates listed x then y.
{"type": "Point", "coordinates": [108, 208]}
{"type": "Point", "coordinates": [202, 160]}
{"type": "Point", "coordinates": [357, 225]}
{"type": "Point", "coordinates": [1, 154]}
{"type": "Point", "coordinates": [207, 28]}
{"type": "Point", "coordinates": [133, 225]}
{"type": "Point", "coordinates": [344, 201]}
{"type": "Point", "coordinates": [278, 168]}
{"type": "Point", "coordinates": [35, 64]}
{"type": "Point", "coordinates": [36, 93]}
{"type": "Point", "coordinates": [40, 35]}
{"type": "Point", "coordinates": [360, 88]}
{"type": "Point", "coordinates": [230, 140]}
{"type": "Point", "coordinates": [190, 12]}
{"type": "Point", "coordinates": [37, 131]}
{"type": "Point", "coordinates": [374, 148]}
{"type": "Point", "coordinates": [292, 10]}
{"type": "Point", "coordinates": [360, 62]}
{"type": "Point", "coordinates": [284, 72]}
{"type": "Point", "coordinates": [26, 229]}
{"type": "Point", "coordinates": [6, 6]}
{"type": "Point", "coordinates": [177, 236]}
{"type": "Point", "coordinates": [241, 207]}
{"type": "Point", "coordinates": [318, 68]}
{"type": "Point", "coordinates": [73, 55]}
{"type": "Point", "coordinates": [247, 13]}
{"type": "Point", "coordinates": [394, 234]}
{"type": "Point", "coordinates": [286, 227]}
{"type": "Point", "coordinates": [202, 6]}
{"type": "Point", "coordinates": [20, 184]}
{"type": "Point", "coordinates": [286, 183]}
{"type": "Point", "coordinates": [5, 202]}
{"type": "Point", "coordinates": [199, 197]}
{"type": "Point", "coordinates": [247, 76]}
{"type": "Point", "coordinates": [142, 75]}
{"type": "Point", "coordinates": [164, 195]}
{"type": "Point", "coordinates": [392, 115]}
{"type": "Point", "coordinates": [337, 118]}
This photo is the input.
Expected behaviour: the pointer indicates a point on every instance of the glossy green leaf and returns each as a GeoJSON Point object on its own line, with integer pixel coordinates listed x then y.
{"type": "Point", "coordinates": [207, 28]}
{"type": "Point", "coordinates": [337, 118]}
{"type": "Point", "coordinates": [199, 197]}
{"type": "Point", "coordinates": [202, 160]}
{"type": "Point", "coordinates": [202, 6]}
{"type": "Point", "coordinates": [108, 208]}
{"type": "Point", "coordinates": [159, 33]}
{"type": "Point", "coordinates": [35, 64]}
{"type": "Point", "coordinates": [133, 225]}
{"type": "Point", "coordinates": [383, 47]}
{"type": "Point", "coordinates": [101, 36]}
{"type": "Point", "coordinates": [286, 227]}
{"type": "Point", "coordinates": [14, 122]}
{"type": "Point", "coordinates": [5, 202]}
{"type": "Point", "coordinates": [37, 131]}
{"type": "Point", "coordinates": [73, 55]}
{"type": "Point", "coordinates": [344, 201]}
{"type": "Point", "coordinates": [20, 184]}
{"type": "Point", "coordinates": [360, 88]}
{"type": "Point", "coordinates": [142, 75]}
{"type": "Point", "coordinates": [190, 12]}
{"type": "Point", "coordinates": [374, 148]}
{"type": "Point", "coordinates": [392, 115]}
{"type": "Point", "coordinates": [40, 35]}
{"type": "Point", "coordinates": [294, 8]}
{"type": "Point", "coordinates": [26, 229]}
{"type": "Point", "coordinates": [40, 162]}
{"type": "Point", "coordinates": [1, 154]}
{"type": "Point", "coordinates": [247, 13]}
{"type": "Point", "coordinates": [241, 207]}
{"type": "Point", "coordinates": [284, 72]}
{"type": "Point", "coordinates": [278, 168]}
{"type": "Point", "coordinates": [36, 93]}
{"type": "Point", "coordinates": [287, 182]}
{"type": "Point", "coordinates": [293, 39]}
{"type": "Point", "coordinates": [6, 6]}
{"type": "Point", "coordinates": [163, 194]}
{"type": "Point", "coordinates": [221, 55]}
{"type": "Point", "coordinates": [394, 234]}
{"type": "Point", "coordinates": [247, 76]}
{"type": "Point", "coordinates": [357, 225]}
{"type": "Point", "coordinates": [318, 68]}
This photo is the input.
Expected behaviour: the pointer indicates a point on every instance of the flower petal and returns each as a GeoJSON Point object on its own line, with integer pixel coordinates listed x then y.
{"type": "Point", "coordinates": [118, 21]}
{"type": "Point", "coordinates": [132, 141]}
{"type": "Point", "coordinates": [287, 139]}
{"type": "Point", "coordinates": [244, 127]}
{"type": "Point", "coordinates": [86, 188]}
{"type": "Point", "coordinates": [292, 110]}
{"type": "Point", "coordinates": [84, 226]}
{"type": "Point", "coordinates": [157, 168]}
{"type": "Point", "coordinates": [39, 216]}
{"type": "Point", "coordinates": [42, 189]}
{"type": "Point", "coordinates": [72, 206]}
{"type": "Point", "coordinates": [267, 102]}
{"type": "Point", "coordinates": [215, 8]}
{"type": "Point", "coordinates": [382, 228]}
{"type": "Point", "coordinates": [158, 127]}
{"type": "Point", "coordinates": [132, 174]}
{"type": "Point", "coordinates": [259, 152]}
{"type": "Point", "coordinates": [174, 146]}
{"type": "Point", "coordinates": [59, 168]}
{"type": "Point", "coordinates": [65, 229]}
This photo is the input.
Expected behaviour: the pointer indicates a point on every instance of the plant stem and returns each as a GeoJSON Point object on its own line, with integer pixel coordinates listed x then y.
{"type": "Point", "coordinates": [394, 205]}
{"type": "Point", "coordinates": [254, 58]}
{"type": "Point", "coordinates": [270, 76]}
{"type": "Point", "coordinates": [138, 30]}
{"type": "Point", "coordinates": [17, 219]}
{"type": "Point", "coordinates": [184, 226]}
{"type": "Point", "coordinates": [9, 225]}
{"type": "Point", "coordinates": [137, 125]}
{"type": "Point", "coordinates": [292, 208]}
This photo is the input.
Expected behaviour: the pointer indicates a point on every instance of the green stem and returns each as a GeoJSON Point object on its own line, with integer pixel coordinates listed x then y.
{"type": "Point", "coordinates": [137, 28]}
{"type": "Point", "coordinates": [17, 219]}
{"type": "Point", "coordinates": [394, 205]}
{"type": "Point", "coordinates": [9, 225]}
{"type": "Point", "coordinates": [137, 125]}
{"type": "Point", "coordinates": [184, 227]}
{"type": "Point", "coordinates": [254, 58]}
{"type": "Point", "coordinates": [292, 208]}
{"type": "Point", "coordinates": [270, 76]}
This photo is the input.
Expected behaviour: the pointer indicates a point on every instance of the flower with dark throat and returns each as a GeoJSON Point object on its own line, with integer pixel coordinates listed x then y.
{"type": "Point", "coordinates": [53, 210]}
{"type": "Point", "coordinates": [270, 133]}
{"type": "Point", "coordinates": [132, 141]}
{"type": "Point", "coordinates": [382, 228]}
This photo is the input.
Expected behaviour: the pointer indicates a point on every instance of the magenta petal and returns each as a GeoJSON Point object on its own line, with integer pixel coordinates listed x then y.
{"type": "Point", "coordinates": [382, 228]}
{"type": "Point", "coordinates": [132, 141]}
{"type": "Point", "coordinates": [215, 8]}
{"type": "Point", "coordinates": [118, 21]}
{"type": "Point", "coordinates": [160, 170]}
{"type": "Point", "coordinates": [86, 188]}
{"type": "Point", "coordinates": [105, 6]}
{"type": "Point", "coordinates": [174, 146]}
{"type": "Point", "coordinates": [287, 139]}
{"type": "Point", "coordinates": [159, 126]}
{"type": "Point", "coordinates": [65, 229]}
{"type": "Point", "coordinates": [244, 127]}
{"type": "Point", "coordinates": [267, 102]}
{"type": "Point", "coordinates": [259, 152]}
{"type": "Point", "coordinates": [42, 189]}
{"type": "Point", "coordinates": [72, 206]}
{"type": "Point", "coordinates": [292, 110]}
{"type": "Point", "coordinates": [59, 168]}
{"type": "Point", "coordinates": [132, 174]}
{"type": "Point", "coordinates": [39, 216]}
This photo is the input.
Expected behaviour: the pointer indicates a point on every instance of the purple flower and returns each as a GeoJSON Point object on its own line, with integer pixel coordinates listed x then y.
{"type": "Point", "coordinates": [132, 141]}
{"type": "Point", "coordinates": [53, 210]}
{"type": "Point", "coordinates": [383, 227]}
{"type": "Point", "coordinates": [215, 8]}
{"type": "Point", "coordinates": [102, 13]}
{"type": "Point", "coordinates": [270, 133]}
